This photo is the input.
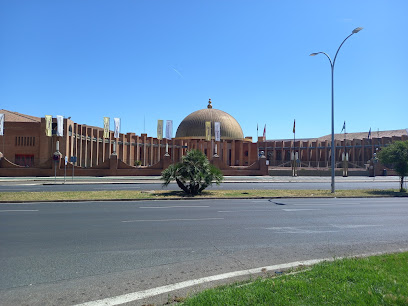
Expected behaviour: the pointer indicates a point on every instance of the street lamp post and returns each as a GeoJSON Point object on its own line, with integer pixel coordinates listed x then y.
{"type": "Point", "coordinates": [356, 30]}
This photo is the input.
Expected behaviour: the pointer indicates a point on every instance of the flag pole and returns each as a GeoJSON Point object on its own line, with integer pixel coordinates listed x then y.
{"type": "Point", "coordinates": [266, 148]}
{"type": "Point", "coordinates": [3, 134]}
{"type": "Point", "coordinates": [257, 142]}
{"type": "Point", "coordinates": [345, 136]}
{"type": "Point", "coordinates": [294, 146]}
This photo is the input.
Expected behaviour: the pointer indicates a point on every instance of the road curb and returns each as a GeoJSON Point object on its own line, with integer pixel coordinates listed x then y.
{"type": "Point", "coordinates": [149, 293]}
{"type": "Point", "coordinates": [198, 198]}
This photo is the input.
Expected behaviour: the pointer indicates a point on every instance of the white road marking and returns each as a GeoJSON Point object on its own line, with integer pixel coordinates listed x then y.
{"type": "Point", "coordinates": [334, 204]}
{"type": "Point", "coordinates": [347, 226]}
{"type": "Point", "coordinates": [228, 211]}
{"type": "Point", "coordinates": [134, 296]}
{"type": "Point", "coordinates": [166, 220]}
{"type": "Point", "coordinates": [118, 187]}
{"type": "Point", "coordinates": [297, 230]}
{"type": "Point", "coordinates": [13, 204]}
{"type": "Point", "coordinates": [176, 206]}
{"type": "Point", "coordinates": [18, 210]}
{"type": "Point", "coordinates": [299, 209]}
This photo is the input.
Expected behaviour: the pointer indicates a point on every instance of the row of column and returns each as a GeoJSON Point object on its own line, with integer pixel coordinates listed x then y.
{"type": "Point", "coordinates": [91, 149]}
{"type": "Point", "coordinates": [318, 154]}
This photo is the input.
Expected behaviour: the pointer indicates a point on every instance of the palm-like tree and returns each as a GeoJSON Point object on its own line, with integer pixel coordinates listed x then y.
{"type": "Point", "coordinates": [193, 174]}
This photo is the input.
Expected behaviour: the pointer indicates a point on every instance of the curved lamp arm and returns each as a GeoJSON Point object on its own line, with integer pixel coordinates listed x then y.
{"type": "Point", "coordinates": [331, 63]}
{"type": "Point", "coordinates": [356, 30]}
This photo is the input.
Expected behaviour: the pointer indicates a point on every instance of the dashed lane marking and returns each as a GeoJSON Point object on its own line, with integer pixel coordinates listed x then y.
{"type": "Point", "coordinates": [169, 220]}
{"type": "Point", "coordinates": [299, 209]}
{"type": "Point", "coordinates": [176, 206]}
{"type": "Point", "coordinates": [18, 210]}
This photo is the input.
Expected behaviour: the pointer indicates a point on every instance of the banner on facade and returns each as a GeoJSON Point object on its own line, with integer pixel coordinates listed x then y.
{"type": "Point", "coordinates": [48, 125]}
{"type": "Point", "coordinates": [264, 134]}
{"type": "Point", "coordinates": [169, 129]}
{"type": "Point", "coordinates": [106, 127]}
{"type": "Point", "coordinates": [208, 130]}
{"type": "Point", "coordinates": [160, 129]}
{"type": "Point", "coordinates": [60, 125]}
{"type": "Point", "coordinates": [116, 122]}
{"type": "Point", "coordinates": [217, 131]}
{"type": "Point", "coordinates": [1, 124]}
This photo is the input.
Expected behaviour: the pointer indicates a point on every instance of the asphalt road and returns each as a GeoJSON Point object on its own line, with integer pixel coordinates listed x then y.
{"type": "Point", "coordinates": [50, 187]}
{"type": "Point", "coordinates": [68, 253]}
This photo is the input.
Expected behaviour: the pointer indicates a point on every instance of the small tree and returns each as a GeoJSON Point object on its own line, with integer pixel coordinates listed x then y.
{"type": "Point", "coordinates": [396, 155]}
{"type": "Point", "coordinates": [193, 174]}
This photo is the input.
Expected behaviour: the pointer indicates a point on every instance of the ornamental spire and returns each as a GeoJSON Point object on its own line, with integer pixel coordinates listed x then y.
{"type": "Point", "coordinates": [209, 103]}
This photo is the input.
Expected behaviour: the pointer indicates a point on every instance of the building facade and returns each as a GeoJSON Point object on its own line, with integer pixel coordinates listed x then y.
{"type": "Point", "coordinates": [27, 151]}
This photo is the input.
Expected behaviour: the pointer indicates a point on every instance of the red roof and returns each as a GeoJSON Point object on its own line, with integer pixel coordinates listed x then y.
{"type": "Point", "coordinates": [17, 117]}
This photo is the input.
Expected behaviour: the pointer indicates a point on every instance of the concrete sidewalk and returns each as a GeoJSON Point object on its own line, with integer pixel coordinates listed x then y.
{"type": "Point", "coordinates": [227, 179]}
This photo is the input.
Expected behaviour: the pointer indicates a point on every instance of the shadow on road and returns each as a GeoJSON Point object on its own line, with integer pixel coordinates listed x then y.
{"type": "Point", "coordinates": [388, 193]}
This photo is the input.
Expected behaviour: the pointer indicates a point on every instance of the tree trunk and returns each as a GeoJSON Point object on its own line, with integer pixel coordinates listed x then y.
{"type": "Point", "coordinates": [402, 183]}
{"type": "Point", "coordinates": [181, 185]}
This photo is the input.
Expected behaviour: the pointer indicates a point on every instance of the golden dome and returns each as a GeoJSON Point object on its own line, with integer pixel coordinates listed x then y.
{"type": "Point", "coordinates": [193, 126]}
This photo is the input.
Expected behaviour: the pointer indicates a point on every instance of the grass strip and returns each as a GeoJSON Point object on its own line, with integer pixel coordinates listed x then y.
{"type": "Point", "coordinates": [376, 280]}
{"type": "Point", "coordinates": [163, 194]}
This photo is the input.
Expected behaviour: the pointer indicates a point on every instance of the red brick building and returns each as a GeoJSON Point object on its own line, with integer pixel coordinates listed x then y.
{"type": "Point", "coordinates": [27, 151]}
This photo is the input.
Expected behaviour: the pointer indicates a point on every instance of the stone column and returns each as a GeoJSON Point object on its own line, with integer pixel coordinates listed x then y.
{"type": "Point", "coordinates": [84, 147]}
{"type": "Point", "coordinates": [90, 146]}
{"type": "Point", "coordinates": [137, 147]}
{"type": "Point", "coordinates": [233, 153]}
{"type": "Point", "coordinates": [151, 150]}
{"type": "Point", "coordinates": [249, 152]}
{"type": "Point", "coordinates": [241, 152]}
{"type": "Point", "coordinates": [208, 144]}
{"type": "Point", "coordinates": [225, 151]}
{"type": "Point", "coordinates": [144, 161]}
{"type": "Point", "coordinates": [121, 149]}
{"type": "Point", "coordinates": [103, 148]}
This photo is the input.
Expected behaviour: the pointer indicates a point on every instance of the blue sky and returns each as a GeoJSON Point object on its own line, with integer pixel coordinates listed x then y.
{"type": "Point", "coordinates": [148, 60]}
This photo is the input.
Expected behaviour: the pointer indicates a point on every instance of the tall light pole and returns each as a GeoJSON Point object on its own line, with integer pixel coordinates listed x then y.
{"type": "Point", "coordinates": [356, 30]}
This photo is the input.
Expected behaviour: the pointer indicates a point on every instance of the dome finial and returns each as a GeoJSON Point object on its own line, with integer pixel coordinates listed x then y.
{"type": "Point", "coordinates": [209, 103]}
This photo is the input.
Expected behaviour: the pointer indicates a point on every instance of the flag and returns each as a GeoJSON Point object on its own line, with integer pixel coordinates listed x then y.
{"type": "Point", "coordinates": [48, 125]}
{"type": "Point", "coordinates": [116, 122]}
{"type": "Point", "coordinates": [294, 125]}
{"type": "Point", "coordinates": [217, 131]}
{"type": "Point", "coordinates": [257, 129]}
{"type": "Point", "coordinates": [264, 134]}
{"type": "Point", "coordinates": [208, 130]}
{"type": "Point", "coordinates": [106, 127]}
{"type": "Point", "coordinates": [1, 124]}
{"type": "Point", "coordinates": [160, 129]}
{"type": "Point", "coordinates": [344, 127]}
{"type": "Point", "coordinates": [169, 129]}
{"type": "Point", "coordinates": [369, 134]}
{"type": "Point", "coordinates": [60, 125]}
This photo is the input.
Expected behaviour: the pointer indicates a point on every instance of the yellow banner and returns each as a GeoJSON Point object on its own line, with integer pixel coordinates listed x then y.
{"type": "Point", "coordinates": [48, 125]}
{"type": "Point", "coordinates": [208, 130]}
{"type": "Point", "coordinates": [160, 129]}
{"type": "Point", "coordinates": [106, 126]}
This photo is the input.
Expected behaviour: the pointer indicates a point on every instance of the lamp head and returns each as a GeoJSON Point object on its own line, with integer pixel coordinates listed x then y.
{"type": "Point", "coordinates": [356, 30]}
{"type": "Point", "coordinates": [313, 54]}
